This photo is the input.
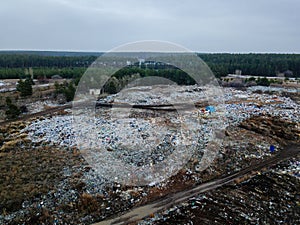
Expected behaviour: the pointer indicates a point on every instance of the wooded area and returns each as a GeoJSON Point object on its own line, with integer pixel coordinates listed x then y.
{"type": "Point", "coordinates": [13, 65]}
{"type": "Point", "coordinates": [253, 64]}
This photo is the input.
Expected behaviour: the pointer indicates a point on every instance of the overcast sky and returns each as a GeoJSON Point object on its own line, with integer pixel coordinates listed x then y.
{"type": "Point", "coordinates": [100, 25]}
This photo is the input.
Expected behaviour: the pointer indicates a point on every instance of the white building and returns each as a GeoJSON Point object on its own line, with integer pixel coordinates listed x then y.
{"type": "Point", "coordinates": [95, 91]}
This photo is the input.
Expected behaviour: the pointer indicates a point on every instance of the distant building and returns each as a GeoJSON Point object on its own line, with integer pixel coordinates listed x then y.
{"type": "Point", "coordinates": [56, 77]}
{"type": "Point", "coordinates": [234, 76]}
{"type": "Point", "coordinates": [141, 61]}
{"type": "Point", "coordinates": [95, 91]}
{"type": "Point", "coordinates": [280, 74]}
{"type": "Point", "coordinates": [238, 72]}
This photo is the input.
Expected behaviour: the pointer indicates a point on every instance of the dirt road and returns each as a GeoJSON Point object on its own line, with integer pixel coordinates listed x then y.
{"type": "Point", "coordinates": [42, 113]}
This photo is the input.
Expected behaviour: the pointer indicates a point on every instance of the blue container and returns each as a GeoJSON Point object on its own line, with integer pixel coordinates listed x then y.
{"type": "Point", "coordinates": [272, 148]}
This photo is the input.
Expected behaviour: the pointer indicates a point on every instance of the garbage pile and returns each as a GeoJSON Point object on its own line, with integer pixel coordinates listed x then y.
{"type": "Point", "coordinates": [161, 94]}
{"type": "Point", "coordinates": [240, 105]}
{"type": "Point", "coordinates": [56, 130]}
{"type": "Point", "coordinates": [34, 107]}
{"type": "Point", "coordinates": [139, 138]}
{"type": "Point", "coordinates": [293, 168]}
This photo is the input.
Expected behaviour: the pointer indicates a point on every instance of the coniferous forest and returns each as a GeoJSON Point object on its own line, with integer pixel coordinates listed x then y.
{"type": "Point", "coordinates": [13, 65]}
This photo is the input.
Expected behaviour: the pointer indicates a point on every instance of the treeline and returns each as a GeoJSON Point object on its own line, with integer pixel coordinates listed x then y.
{"type": "Point", "coordinates": [171, 73]}
{"type": "Point", "coordinates": [14, 65]}
{"type": "Point", "coordinates": [129, 74]}
{"type": "Point", "coordinates": [32, 60]}
{"type": "Point", "coordinates": [253, 64]}
{"type": "Point", "coordinates": [48, 72]}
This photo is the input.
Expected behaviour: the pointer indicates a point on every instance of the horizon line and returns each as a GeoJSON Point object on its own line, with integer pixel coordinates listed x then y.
{"type": "Point", "coordinates": [103, 51]}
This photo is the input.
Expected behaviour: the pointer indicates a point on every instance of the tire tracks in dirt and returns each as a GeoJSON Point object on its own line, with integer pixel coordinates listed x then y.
{"type": "Point", "coordinates": [138, 213]}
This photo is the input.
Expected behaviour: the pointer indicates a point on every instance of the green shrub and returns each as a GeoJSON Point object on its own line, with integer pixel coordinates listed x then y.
{"type": "Point", "coordinates": [12, 110]}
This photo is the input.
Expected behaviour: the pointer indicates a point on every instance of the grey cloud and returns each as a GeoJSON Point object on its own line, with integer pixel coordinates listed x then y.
{"type": "Point", "coordinates": [209, 26]}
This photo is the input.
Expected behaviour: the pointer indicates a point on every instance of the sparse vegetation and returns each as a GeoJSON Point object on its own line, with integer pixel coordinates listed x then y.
{"type": "Point", "coordinates": [263, 81]}
{"type": "Point", "coordinates": [67, 89]}
{"type": "Point", "coordinates": [252, 79]}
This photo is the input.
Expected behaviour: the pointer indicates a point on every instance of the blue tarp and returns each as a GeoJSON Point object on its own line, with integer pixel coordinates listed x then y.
{"type": "Point", "coordinates": [210, 108]}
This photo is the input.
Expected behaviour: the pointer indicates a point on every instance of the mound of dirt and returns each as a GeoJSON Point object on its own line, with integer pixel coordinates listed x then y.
{"type": "Point", "coordinates": [274, 127]}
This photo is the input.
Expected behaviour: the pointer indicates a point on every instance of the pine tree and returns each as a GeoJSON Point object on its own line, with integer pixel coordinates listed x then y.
{"type": "Point", "coordinates": [12, 111]}
{"type": "Point", "coordinates": [25, 87]}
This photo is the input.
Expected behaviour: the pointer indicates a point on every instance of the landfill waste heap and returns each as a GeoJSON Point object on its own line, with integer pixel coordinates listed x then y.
{"type": "Point", "coordinates": [45, 179]}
